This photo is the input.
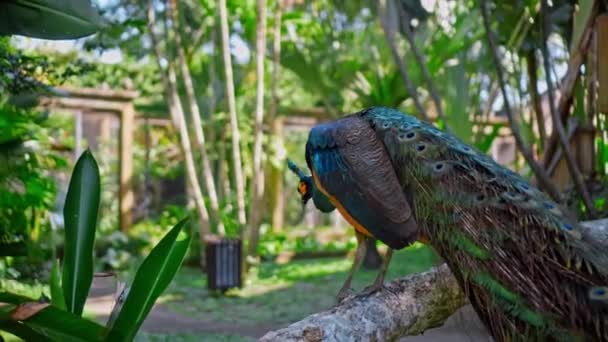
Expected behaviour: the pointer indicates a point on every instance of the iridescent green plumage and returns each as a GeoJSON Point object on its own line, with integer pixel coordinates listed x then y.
{"type": "Point", "coordinates": [526, 267]}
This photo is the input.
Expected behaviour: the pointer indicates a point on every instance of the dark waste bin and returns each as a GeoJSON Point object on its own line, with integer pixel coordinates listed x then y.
{"type": "Point", "coordinates": [223, 257]}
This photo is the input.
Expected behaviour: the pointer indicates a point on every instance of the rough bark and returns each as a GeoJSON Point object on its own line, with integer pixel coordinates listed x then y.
{"type": "Point", "coordinates": [198, 126]}
{"type": "Point", "coordinates": [239, 180]}
{"type": "Point", "coordinates": [257, 179]}
{"type": "Point", "coordinates": [406, 306]}
{"type": "Point", "coordinates": [176, 110]}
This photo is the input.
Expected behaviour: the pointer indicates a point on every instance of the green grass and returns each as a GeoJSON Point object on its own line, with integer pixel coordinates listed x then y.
{"type": "Point", "coordinates": [283, 293]}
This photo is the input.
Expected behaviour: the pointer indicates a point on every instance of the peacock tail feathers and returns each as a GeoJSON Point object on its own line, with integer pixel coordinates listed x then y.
{"type": "Point", "coordinates": [523, 261]}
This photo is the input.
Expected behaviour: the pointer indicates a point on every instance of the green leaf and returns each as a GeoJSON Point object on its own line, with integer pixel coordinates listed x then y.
{"type": "Point", "coordinates": [57, 298]}
{"type": "Point", "coordinates": [49, 19]}
{"type": "Point", "coordinates": [22, 331]}
{"type": "Point", "coordinates": [151, 279]}
{"type": "Point", "coordinates": [80, 216]}
{"type": "Point", "coordinates": [61, 325]}
{"type": "Point", "coordinates": [8, 297]}
{"type": "Point", "coordinates": [486, 140]}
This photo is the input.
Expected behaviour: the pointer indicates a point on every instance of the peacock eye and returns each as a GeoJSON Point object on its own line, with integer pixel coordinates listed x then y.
{"type": "Point", "coordinates": [410, 135]}
{"type": "Point", "coordinates": [385, 125]}
{"type": "Point", "coordinates": [439, 166]}
{"type": "Point", "coordinates": [420, 147]}
{"type": "Point", "coordinates": [567, 226]}
{"type": "Point", "coordinates": [549, 205]}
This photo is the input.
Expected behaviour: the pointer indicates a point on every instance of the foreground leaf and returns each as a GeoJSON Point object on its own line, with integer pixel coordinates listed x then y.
{"type": "Point", "coordinates": [151, 279]}
{"type": "Point", "coordinates": [7, 297]}
{"type": "Point", "coordinates": [57, 298]}
{"type": "Point", "coordinates": [49, 19]}
{"type": "Point", "coordinates": [80, 216]}
{"type": "Point", "coordinates": [60, 325]}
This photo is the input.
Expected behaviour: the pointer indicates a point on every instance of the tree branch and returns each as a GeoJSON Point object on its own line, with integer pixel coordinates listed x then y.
{"type": "Point", "coordinates": [389, 31]}
{"type": "Point", "coordinates": [406, 306]}
{"type": "Point", "coordinates": [569, 82]}
{"type": "Point", "coordinates": [541, 175]}
{"type": "Point", "coordinates": [579, 182]}
{"type": "Point", "coordinates": [409, 35]}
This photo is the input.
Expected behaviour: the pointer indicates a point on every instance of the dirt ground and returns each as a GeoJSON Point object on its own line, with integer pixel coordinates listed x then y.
{"type": "Point", "coordinates": [463, 326]}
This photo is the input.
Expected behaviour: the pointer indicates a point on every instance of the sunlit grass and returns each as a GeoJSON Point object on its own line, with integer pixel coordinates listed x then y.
{"type": "Point", "coordinates": [281, 294]}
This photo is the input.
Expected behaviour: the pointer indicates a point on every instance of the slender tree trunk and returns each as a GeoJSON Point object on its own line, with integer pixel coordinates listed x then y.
{"type": "Point", "coordinates": [409, 36]}
{"type": "Point", "coordinates": [234, 126]}
{"type": "Point", "coordinates": [388, 26]}
{"type": "Point", "coordinates": [196, 122]}
{"type": "Point", "coordinates": [532, 67]}
{"type": "Point", "coordinates": [169, 81]}
{"type": "Point", "coordinates": [257, 183]}
{"type": "Point", "coordinates": [275, 188]}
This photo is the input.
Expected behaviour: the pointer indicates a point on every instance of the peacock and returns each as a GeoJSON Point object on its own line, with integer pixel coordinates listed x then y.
{"type": "Point", "coordinates": [521, 259]}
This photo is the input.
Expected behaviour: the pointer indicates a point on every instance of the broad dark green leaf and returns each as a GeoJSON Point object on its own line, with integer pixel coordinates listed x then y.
{"type": "Point", "coordinates": [57, 298]}
{"type": "Point", "coordinates": [22, 331]}
{"type": "Point", "coordinates": [49, 19]}
{"type": "Point", "coordinates": [61, 325]}
{"type": "Point", "coordinates": [80, 216]}
{"type": "Point", "coordinates": [7, 297]}
{"type": "Point", "coordinates": [151, 279]}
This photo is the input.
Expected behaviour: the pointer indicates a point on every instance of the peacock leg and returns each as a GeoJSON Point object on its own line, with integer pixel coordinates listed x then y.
{"type": "Point", "coordinates": [345, 291]}
{"type": "Point", "coordinates": [379, 282]}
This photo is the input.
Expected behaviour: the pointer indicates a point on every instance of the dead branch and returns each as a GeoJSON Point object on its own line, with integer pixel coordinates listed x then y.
{"type": "Point", "coordinates": [406, 306]}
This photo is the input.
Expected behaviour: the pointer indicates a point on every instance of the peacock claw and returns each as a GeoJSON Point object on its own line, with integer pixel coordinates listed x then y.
{"type": "Point", "coordinates": [343, 294]}
{"type": "Point", "coordinates": [373, 289]}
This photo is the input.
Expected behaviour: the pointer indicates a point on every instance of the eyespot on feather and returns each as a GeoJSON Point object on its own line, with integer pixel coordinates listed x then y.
{"type": "Point", "coordinates": [406, 137]}
{"type": "Point", "coordinates": [570, 230]}
{"type": "Point", "coordinates": [599, 293]}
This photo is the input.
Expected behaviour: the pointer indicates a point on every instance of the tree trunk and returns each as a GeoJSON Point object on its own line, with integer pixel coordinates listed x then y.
{"type": "Point", "coordinates": [275, 172]}
{"type": "Point", "coordinates": [275, 189]}
{"type": "Point", "coordinates": [239, 181]}
{"type": "Point", "coordinates": [406, 306]}
{"type": "Point", "coordinates": [257, 179]}
{"type": "Point", "coordinates": [198, 126]}
{"type": "Point", "coordinates": [177, 114]}
{"type": "Point", "coordinates": [532, 67]}
{"type": "Point", "coordinates": [389, 26]}
{"type": "Point", "coordinates": [409, 36]}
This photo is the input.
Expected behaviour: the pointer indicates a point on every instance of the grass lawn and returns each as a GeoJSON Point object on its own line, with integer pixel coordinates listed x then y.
{"type": "Point", "coordinates": [283, 293]}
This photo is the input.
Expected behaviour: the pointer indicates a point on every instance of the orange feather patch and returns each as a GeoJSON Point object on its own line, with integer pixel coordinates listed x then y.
{"type": "Point", "coordinates": [358, 226]}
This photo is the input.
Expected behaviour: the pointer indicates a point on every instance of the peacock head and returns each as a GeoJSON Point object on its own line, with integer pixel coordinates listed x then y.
{"type": "Point", "coordinates": [307, 190]}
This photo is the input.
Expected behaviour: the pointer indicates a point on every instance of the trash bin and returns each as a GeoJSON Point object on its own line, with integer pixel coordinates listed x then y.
{"type": "Point", "coordinates": [223, 257]}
